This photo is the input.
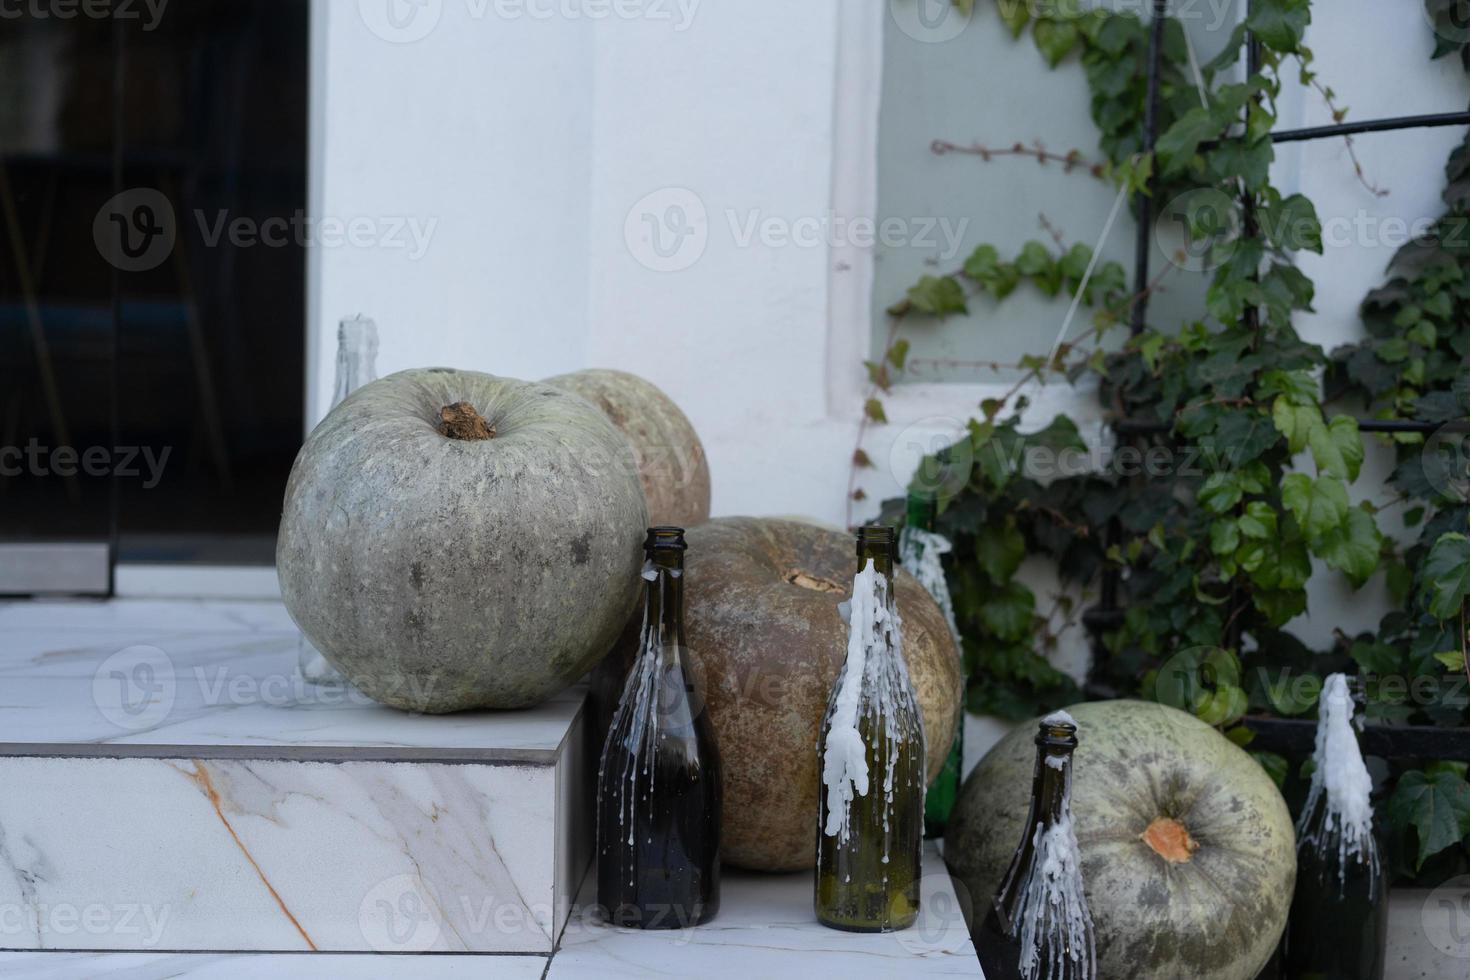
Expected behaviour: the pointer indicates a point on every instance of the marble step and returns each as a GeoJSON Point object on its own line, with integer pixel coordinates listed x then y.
{"type": "Point", "coordinates": [169, 783]}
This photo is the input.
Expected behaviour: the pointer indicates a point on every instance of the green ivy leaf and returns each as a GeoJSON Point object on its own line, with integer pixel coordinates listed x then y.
{"type": "Point", "coordinates": [873, 409]}
{"type": "Point", "coordinates": [1447, 572]}
{"type": "Point", "coordinates": [1337, 448]}
{"type": "Point", "coordinates": [1258, 521]}
{"type": "Point", "coordinates": [898, 353]}
{"type": "Point", "coordinates": [1275, 766]}
{"type": "Point", "coordinates": [1054, 38]}
{"type": "Point", "coordinates": [1280, 24]}
{"type": "Point", "coordinates": [1437, 807]}
{"type": "Point", "coordinates": [1352, 547]}
{"type": "Point", "coordinates": [1224, 537]}
{"type": "Point", "coordinates": [1293, 693]}
{"type": "Point", "coordinates": [1318, 505]}
{"type": "Point", "coordinates": [1295, 421]}
{"type": "Point", "coordinates": [1220, 492]}
{"type": "Point", "coordinates": [1015, 14]}
{"type": "Point", "coordinates": [937, 296]}
{"type": "Point", "coordinates": [1007, 613]}
{"type": "Point", "coordinates": [1180, 142]}
{"type": "Point", "coordinates": [1000, 551]}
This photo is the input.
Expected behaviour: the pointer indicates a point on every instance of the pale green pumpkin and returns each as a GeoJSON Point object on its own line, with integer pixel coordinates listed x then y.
{"type": "Point", "coordinates": [1188, 850]}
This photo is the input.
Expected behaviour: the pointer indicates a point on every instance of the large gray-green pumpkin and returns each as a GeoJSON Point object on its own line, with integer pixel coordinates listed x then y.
{"type": "Point", "coordinates": [441, 573]}
{"type": "Point", "coordinates": [671, 460]}
{"type": "Point", "coordinates": [1188, 851]}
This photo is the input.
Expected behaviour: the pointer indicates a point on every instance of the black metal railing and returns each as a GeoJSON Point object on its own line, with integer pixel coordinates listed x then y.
{"type": "Point", "coordinates": [1287, 735]}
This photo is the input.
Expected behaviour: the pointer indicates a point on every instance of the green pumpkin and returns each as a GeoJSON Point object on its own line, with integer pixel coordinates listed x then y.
{"type": "Point", "coordinates": [456, 540]}
{"type": "Point", "coordinates": [1188, 850]}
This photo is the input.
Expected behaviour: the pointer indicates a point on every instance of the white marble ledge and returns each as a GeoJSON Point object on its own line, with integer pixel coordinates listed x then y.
{"type": "Point", "coordinates": [219, 679]}
{"type": "Point", "coordinates": [249, 966]}
{"type": "Point", "coordinates": [766, 928]}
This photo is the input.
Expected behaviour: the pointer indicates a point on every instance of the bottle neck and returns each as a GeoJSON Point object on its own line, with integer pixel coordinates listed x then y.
{"type": "Point", "coordinates": [882, 558]}
{"type": "Point", "coordinates": [664, 597]}
{"type": "Point", "coordinates": [1051, 793]}
{"type": "Point", "coordinates": [920, 513]}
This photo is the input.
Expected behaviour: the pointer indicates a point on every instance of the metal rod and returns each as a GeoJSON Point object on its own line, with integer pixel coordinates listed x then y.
{"type": "Point", "coordinates": [1134, 427]}
{"type": "Point", "coordinates": [1144, 202]}
{"type": "Point", "coordinates": [1297, 737]}
{"type": "Point", "coordinates": [1426, 121]}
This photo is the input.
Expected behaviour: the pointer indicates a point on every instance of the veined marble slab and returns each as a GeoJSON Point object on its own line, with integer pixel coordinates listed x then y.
{"type": "Point", "coordinates": [173, 789]}
{"type": "Point", "coordinates": [766, 928]}
{"type": "Point", "coordinates": [251, 966]}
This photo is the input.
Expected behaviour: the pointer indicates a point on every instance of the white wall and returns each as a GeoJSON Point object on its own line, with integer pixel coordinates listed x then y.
{"type": "Point", "coordinates": [543, 145]}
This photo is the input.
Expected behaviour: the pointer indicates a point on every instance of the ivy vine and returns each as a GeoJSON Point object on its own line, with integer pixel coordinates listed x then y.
{"type": "Point", "coordinates": [1233, 481]}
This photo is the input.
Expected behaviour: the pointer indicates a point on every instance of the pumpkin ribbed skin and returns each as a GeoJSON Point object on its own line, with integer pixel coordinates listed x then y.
{"type": "Point", "coordinates": [769, 649]}
{"type": "Point", "coordinates": [1214, 913]}
{"type": "Point", "coordinates": [671, 460]}
{"type": "Point", "coordinates": [442, 574]}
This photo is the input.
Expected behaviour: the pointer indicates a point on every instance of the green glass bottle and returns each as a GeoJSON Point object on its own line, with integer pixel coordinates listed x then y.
{"type": "Point", "coordinates": [659, 788]}
{"type": "Point", "coordinates": [1338, 928]}
{"type": "Point", "coordinates": [870, 810]}
{"type": "Point", "coordinates": [921, 550]}
{"type": "Point", "coordinates": [1038, 926]}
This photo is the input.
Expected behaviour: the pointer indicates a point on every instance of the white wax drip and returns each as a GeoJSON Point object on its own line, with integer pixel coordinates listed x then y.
{"type": "Point", "coordinates": [1051, 909]}
{"type": "Point", "coordinates": [636, 721]}
{"type": "Point", "coordinates": [1341, 787]}
{"type": "Point", "coordinates": [920, 552]}
{"type": "Point", "coordinates": [874, 685]}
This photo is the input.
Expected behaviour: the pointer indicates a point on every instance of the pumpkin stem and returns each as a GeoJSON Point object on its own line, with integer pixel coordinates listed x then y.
{"type": "Point", "coordinates": [1170, 840]}
{"type": "Point", "coordinates": [461, 421]}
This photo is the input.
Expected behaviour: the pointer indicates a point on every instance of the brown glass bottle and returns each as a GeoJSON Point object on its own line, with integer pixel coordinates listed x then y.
{"type": "Point", "coordinates": [1038, 926]}
{"type": "Point", "coordinates": [870, 846]}
{"type": "Point", "coordinates": [659, 789]}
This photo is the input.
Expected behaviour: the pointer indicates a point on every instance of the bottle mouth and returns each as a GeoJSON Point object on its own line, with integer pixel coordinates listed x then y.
{"type": "Point", "coordinates": [874, 535]}
{"type": "Point", "coordinates": [664, 537]}
{"type": "Point", "coordinates": [1058, 733]}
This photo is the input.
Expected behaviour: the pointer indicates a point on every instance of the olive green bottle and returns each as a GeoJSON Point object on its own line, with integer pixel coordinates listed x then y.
{"type": "Point", "coordinates": [870, 753]}
{"type": "Point", "coordinates": [921, 549]}
{"type": "Point", "coordinates": [1038, 926]}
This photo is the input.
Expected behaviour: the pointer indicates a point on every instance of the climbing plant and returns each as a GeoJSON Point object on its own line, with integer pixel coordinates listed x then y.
{"type": "Point", "coordinates": [1230, 490]}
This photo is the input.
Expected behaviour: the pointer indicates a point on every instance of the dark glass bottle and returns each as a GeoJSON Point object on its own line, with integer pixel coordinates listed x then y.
{"type": "Point", "coordinates": [659, 789]}
{"type": "Point", "coordinates": [921, 549]}
{"type": "Point", "coordinates": [1338, 928]}
{"type": "Point", "coordinates": [870, 753]}
{"type": "Point", "coordinates": [1038, 926]}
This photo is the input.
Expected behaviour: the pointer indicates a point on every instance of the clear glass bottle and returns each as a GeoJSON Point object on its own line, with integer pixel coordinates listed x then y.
{"type": "Point", "coordinates": [870, 811]}
{"type": "Point", "coordinates": [1038, 926]}
{"type": "Point", "coordinates": [1339, 911]}
{"type": "Point", "coordinates": [921, 550]}
{"type": "Point", "coordinates": [357, 365]}
{"type": "Point", "coordinates": [659, 788]}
